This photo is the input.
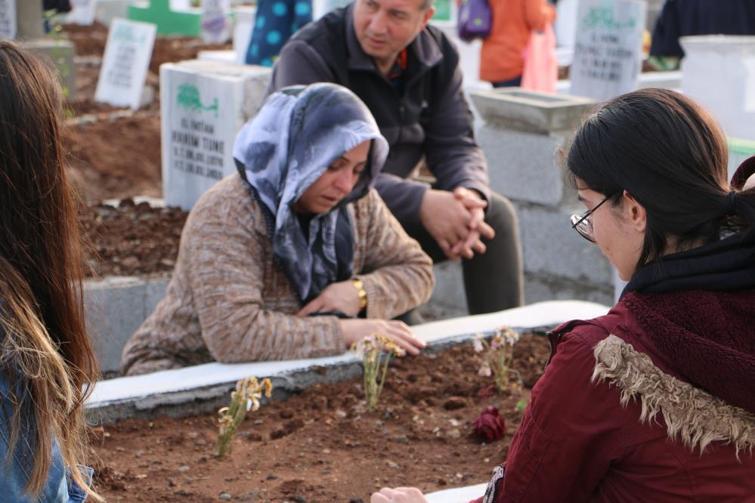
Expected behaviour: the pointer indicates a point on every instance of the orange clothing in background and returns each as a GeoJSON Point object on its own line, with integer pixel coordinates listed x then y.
{"type": "Point", "coordinates": [513, 20]}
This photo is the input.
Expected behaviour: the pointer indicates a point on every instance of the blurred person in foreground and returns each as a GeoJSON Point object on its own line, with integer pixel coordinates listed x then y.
{"type": "Point", "coordinates": [47, 365]}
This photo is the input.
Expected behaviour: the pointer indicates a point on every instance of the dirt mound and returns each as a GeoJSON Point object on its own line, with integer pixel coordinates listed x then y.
{"type": "Point", "coordinates": [115, 158]}
{"type": "Point", "coordinates": [322, 445]}
{"type": "Point", "coordinates": [132, 239]}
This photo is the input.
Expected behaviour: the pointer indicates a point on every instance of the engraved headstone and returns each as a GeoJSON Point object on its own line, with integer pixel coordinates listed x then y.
{"type": "Point", "coordinates": [124, 66]}
{"type": "Point", "coordinates": [203, 106]}
{"type": "Point", "coordinates": [608, 48]}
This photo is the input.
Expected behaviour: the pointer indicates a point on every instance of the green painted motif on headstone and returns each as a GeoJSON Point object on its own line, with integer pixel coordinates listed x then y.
{"type": "Point", "coordinates": [188, 97]}
{"type": "Point", "coordinates": [168, 22]}
{"type": "Point", "coordinates": [602, 17]}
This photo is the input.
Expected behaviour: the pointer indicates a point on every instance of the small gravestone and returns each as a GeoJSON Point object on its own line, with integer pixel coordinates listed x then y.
{"type": "Point", "coordinates": [608, 48]}
{"type": "Point", "coordinates": [184, 22]}
{"type": "Point", "coordinates": [7, 19]}
{"type": "Point", "coordinates": [203, 106]}
{"type": "Point", "coordinates": [216, 28]}
{"type": "Point", "coordinates": [124, 66]}
{"type": "Point", "coordinates": [82, 12]}
{"type": "Point", "coordinates": [718, 71]}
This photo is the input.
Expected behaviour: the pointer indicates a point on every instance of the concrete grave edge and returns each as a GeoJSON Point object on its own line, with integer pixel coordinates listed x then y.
{"type": "Point", "coordinates": [191, 390]}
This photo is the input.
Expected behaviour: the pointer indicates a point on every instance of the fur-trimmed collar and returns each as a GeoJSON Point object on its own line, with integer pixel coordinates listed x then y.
{"type": "Point", "coordinates": [691, 414]}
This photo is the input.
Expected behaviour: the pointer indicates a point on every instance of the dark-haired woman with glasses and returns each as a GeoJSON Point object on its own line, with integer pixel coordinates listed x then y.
{"type": "Point", "coordinates": [654, 401]}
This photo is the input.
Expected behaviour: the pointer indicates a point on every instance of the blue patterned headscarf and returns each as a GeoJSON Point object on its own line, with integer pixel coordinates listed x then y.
{"type": "Point", "coordinates": [288, 145]}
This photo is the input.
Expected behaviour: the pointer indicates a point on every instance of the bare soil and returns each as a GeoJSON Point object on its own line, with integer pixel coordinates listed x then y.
{"type": "Point", "coordinates": [131, 239]}
{"type": "Point", "coordinates": [321, 445]}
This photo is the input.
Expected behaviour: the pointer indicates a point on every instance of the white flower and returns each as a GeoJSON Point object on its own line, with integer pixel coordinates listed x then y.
{"type": "Point", "coordinates": [477, 344]}
{"type": "Point", "coordinates": [485, 370]}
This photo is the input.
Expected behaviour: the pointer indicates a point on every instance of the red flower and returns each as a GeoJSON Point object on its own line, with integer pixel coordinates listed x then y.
{"type": "Point", "coordinates": [490, 427]}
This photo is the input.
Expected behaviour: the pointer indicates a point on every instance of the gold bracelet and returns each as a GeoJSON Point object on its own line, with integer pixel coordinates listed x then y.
{"type": "Point", "coordinates": [361, 293]}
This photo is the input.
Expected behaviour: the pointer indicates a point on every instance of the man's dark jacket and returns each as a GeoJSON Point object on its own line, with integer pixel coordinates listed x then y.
{"type": "Point", "coordinates": [681, 18]}
{"type": "Point", "coordinates": [430, 118]}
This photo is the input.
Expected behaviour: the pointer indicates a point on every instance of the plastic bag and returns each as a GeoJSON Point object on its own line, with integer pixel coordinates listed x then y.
{"type": "Point", "coordinates": [540, 64]}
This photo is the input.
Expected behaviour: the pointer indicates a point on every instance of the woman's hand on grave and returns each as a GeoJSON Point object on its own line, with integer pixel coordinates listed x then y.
{"type": "Point", "coordinates": [355, 330]}
{"type": "Point", "coordinates": [341, 296]}
{"type": "Point", "coordinates": [398, 495]}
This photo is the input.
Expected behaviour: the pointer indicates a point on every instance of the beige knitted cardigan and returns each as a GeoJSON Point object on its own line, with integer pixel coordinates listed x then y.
{"type": "Point", "coordinates": [229, 301]}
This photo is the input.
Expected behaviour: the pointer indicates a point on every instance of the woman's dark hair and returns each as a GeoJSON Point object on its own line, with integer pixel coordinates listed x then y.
{"type": "Point", "coordinates": [45, 354]}
{"type": "Point", "coordinates": [669, 154]}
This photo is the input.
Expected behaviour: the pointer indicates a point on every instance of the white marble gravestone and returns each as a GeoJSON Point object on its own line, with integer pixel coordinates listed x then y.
{"type": "Point", "coordinates": [7, 19]}
{"type": "Point", "coordinates": [718, 71]}
{"type": "Point", "coordinates": [82, 12]}
{"type": "Point", "coordinates": [203, 106]}
{"type": "Point", "coordinates": [608, 48]}
{"type": "Point", "coordinates": [124, 66]}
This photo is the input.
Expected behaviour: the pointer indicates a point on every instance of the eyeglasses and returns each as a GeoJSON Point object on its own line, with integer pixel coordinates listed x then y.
{"type": "Point", "coordinates": [583, 223]}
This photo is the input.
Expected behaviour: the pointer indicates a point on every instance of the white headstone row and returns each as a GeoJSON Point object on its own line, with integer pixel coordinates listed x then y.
{"type": "Point", "coordinates": [8, 19]}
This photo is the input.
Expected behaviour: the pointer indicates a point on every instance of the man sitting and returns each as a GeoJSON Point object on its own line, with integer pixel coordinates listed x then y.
{"type": "Point", "coordinates": [408, 74]}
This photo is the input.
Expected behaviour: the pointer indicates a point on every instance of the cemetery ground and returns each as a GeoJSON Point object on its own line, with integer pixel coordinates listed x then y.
{"type": "Point", "coordinates": [115, 152]}
{"type": "Point", "coordinates": [322, 444]}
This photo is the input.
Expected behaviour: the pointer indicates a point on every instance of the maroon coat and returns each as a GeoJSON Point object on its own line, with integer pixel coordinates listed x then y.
{"type": "Point", "coordinates": [614, 418]}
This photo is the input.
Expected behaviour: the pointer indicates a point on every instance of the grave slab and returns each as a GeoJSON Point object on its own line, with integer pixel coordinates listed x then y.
{"type": "Point", "coordinates": [523, 166]}
{"type": "Point", "coordinates": [552, 247]}
{"type": "Point", "coordinates": [82, 12]}
{"type": "Point", "coordinates": [718, 71]}
{"type": "Point", "coordinates": [528, 111]}
{"type": "Point", "coordinates": [124, 65]}
{"type": "Point", "coordinates": [608, 48]}
{"type": "Point", "coordinates": [59, 53]}
{"type": "Point", "coordinates": [29, 19]}
{"type": "Point", "coordinates": [105, 11]}
{"type": "Point", "coordinates": [8, 19]}
{"type": "Point", "coordinates": [549, 286]}
{"type": "Point", "coordinates": [521, 135]}
{"type": "Point", "coordinates": [197, 389]}
{"type": "Point", "coordinates": [114, 308]}
{"type": "Point", "coordinates": [203, 106]}
{"type": "Point", "coordinates": [448, 297]}
{"type": "Point", "coordinates": [457, 494]}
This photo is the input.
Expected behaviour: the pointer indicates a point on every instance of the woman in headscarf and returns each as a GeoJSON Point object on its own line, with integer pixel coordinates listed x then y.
{"type": "Point", "coordinates": [295, 256]}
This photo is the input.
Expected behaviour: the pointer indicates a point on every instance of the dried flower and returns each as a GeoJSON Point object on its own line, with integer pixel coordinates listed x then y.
{"type": "Point", "coordinates": [245, 397]}
{"type": "Point", "coordinates": [478, 344]}
{"type": "Point", "coordinates": [489, 426]}
{"type": "Point", "coordinates": [498, 357]}
{"type": "Point", "coordinates": [485, 370]}
{"type": "Point", "coordinates": [376, 351]}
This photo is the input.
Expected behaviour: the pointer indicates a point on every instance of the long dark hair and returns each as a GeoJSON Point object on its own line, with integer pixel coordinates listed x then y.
{"type": "Point", "coordinates": [670, 155]}
{"type": "Point", "coordinates": [46, 356]}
